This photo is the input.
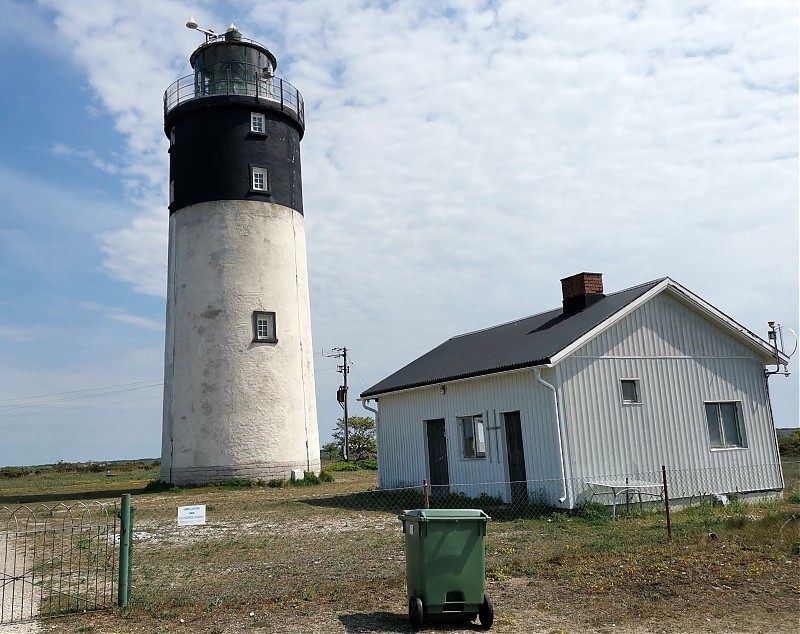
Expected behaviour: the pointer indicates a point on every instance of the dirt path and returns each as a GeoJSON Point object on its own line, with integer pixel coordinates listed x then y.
{"type": "Point", "coordinates": [15, 591]}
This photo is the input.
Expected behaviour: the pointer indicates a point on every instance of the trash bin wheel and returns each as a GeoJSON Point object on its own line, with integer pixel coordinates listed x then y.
{"type": "Point", "coordinates": [486, 613]}
{"type": "Point", "coordinates": [416, 613]}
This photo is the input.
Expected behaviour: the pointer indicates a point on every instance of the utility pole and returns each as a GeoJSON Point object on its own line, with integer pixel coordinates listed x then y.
{"type": "Point", "coordinates": [341, 397]}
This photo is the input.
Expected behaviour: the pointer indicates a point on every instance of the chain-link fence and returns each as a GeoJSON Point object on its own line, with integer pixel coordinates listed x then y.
{"type": "Point", "coordinates": [276, 550]}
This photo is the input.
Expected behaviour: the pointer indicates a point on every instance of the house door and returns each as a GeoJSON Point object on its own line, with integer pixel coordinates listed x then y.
{"type": "Point", "coordinates": [516, 458]}
{"type": "Point", "coordinates": [437, 453]}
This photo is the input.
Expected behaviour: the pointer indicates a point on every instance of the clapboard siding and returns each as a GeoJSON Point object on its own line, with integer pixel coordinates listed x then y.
{"type": "Point", "coordinates": [402, 428]}
{"type": "Point", "coordinates": [681, 361]}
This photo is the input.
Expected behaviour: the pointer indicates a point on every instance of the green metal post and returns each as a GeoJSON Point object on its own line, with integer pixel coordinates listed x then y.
{"type": "Point", "coordinates": [125, 545]}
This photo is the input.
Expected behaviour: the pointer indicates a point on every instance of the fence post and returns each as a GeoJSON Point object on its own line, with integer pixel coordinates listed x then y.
{"type": "Point", "coordinates": [666, 501]}
{"type": "Point", "coordinates": [125, 546]}
{"type": "Point", "coordinates": [427, 496]}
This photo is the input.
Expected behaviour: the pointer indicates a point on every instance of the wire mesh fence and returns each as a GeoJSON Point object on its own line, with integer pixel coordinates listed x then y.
{"type": "Point", "coordinates": [56, 559]}
{"type": "Point", "coordinates": [301, 549]}
{"type": "Point", "coordinates": [289, 548]}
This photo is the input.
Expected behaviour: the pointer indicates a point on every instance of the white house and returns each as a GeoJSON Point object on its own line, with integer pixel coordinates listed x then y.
{"type": "Point", "coordinates": [602, 390]}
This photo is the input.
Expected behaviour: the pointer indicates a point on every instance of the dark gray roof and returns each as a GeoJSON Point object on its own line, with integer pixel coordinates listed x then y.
{"type": "Point", "coordinates": [522, 343]}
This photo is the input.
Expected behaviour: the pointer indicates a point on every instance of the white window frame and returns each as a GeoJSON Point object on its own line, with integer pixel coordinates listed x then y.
{"type": "Point", "coordinates": [171, 192]}
{"type": "Point", "coordinates": [258, 123]}
{"type": "Point", "coordinates": [264, 327]}
{"type": "Point", "coordinates": [725, 443]}
{"type": "Point", "coordinates": [473, 436]}
{"type": "Point", "coordinates": [172, 136]}
{"type": "Point", "coordinates": [637, 389]}
{"type": "Point", "coordinates": [256, 172]}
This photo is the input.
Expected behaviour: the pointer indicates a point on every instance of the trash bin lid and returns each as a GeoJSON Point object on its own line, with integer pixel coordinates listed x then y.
{"type": "Point", "coordinates": [432, 515]}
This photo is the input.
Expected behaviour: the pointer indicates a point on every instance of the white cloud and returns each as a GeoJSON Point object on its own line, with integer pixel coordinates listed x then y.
{"type": "Point", "coordinates": [461, 157]}
{"type": "Point", "coordinates": [86, 155]}
{"type": "Point", "coordinates": [124, 316]}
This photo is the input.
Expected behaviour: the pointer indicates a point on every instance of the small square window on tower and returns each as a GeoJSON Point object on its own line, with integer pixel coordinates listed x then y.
{"type": "Point", "coordinates": [257, 122]}
{"type": "Point", "coordinates": [264, 327]}
{"type": "Point", "coordinates": [259, 179]}
{"type": "Point", "coordinates": [630, 391]}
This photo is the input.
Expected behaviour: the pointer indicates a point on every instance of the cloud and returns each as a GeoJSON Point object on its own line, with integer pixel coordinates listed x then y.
{"type": "Point", "coordinates": [125, 317]}
{"type": "Point", "coordinates": [461, 157]}
{"type": "Point", "coordinates": [86, 155]}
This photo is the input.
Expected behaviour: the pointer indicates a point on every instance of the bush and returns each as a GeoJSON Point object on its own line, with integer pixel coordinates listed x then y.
{"type": "Point", "coordinates": [12, 472]}
{"type": "Point", "coordinates": [324, 476]}
{"type": "Point", "coordinates": [790, 445]}
{"type": "Point", "coordinates": [592, 511]}
{"type": "Point", "coordinates": [370, 464]}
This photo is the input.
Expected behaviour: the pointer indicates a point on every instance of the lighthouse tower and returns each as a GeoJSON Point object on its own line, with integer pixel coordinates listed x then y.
{"type": "Point", "coordinates": [238, 378]}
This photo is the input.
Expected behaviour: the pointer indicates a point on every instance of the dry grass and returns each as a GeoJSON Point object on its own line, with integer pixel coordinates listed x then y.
{"type": "Point", "coordinates": [295, 560]}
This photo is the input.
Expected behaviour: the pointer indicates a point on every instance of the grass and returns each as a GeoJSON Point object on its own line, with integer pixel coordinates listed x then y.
{"type": "Point", "coordinates": [289, 559]}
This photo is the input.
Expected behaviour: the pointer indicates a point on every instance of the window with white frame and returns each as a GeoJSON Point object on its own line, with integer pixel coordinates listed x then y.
{"type": "Point", "coordinates": [171, 192]}
{"type": "Point", "coordinates": [630, 391]}
{"type": "Point", "coordinates": [172, 136]}
{"type": "Point", "coordinates": [472, 431]}
{"type": "Point", "coordinates": [264, 326]}
{"type": "Point", "coordinates": [259, 179]}
{"type": "Point", "coordinates": [724, 424]}
{"type": "Point", "coordinates": [257, 122]}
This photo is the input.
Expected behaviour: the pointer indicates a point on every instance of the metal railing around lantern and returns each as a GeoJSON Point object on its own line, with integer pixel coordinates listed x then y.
{"type": "Point", "coordinates": [245, 80]}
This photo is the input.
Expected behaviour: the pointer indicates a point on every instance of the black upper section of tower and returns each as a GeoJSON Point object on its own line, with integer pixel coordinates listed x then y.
{"type": "Point", "coordinates": [214, 145]}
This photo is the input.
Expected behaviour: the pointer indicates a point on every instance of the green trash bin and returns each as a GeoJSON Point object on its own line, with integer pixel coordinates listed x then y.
{"type": "Point", "coordinates": [446, 565]}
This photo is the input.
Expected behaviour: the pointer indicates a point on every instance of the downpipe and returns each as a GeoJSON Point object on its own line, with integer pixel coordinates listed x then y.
{"type": "Point", "coordinates": [537, 371]}
{"type": "Point", "coordinates": [364, 402]}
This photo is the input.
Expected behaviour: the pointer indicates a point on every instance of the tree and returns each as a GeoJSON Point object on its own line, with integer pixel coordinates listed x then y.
{"type": "Point", "coordinates": [361, 435]}
{"type": "Point", "coordinates": [331, 450]}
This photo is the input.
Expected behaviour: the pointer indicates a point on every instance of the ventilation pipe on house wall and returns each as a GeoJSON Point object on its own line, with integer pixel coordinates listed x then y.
{"type": "Point", "coordinates": [538, 372]}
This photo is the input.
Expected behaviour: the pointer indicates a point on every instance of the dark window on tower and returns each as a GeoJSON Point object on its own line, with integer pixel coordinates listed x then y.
{"type": "Point", "coordinates": [264, 327]}
{"type": "Point", "coordinates": [259, 180]}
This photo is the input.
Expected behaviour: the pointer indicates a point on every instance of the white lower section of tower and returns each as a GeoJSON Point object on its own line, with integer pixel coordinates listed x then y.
{"type": "Point", "coordinates": [237, 408]}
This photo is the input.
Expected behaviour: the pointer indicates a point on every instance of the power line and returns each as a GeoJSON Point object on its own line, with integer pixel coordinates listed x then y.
{"type": "Point", "coordinates": [363, 382]}
{"type": "Point", "coordinates": [78, 397]}
{"type": "Point", "coordinates": [67, 409]}
{"type": "Point", "coordinates": [88, 389]}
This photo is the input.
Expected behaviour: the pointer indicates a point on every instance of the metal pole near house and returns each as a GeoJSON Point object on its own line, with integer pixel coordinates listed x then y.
{"type": "Point", "coordinates": [125, 546]}
{"type": "Point", "coordinates": [341, 396]}
{"type": "Point", "coordinates": [666, 501]}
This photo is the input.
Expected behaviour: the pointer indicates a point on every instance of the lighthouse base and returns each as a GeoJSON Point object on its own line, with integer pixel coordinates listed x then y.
{"type": "Point", "coordinates": [263, 471]}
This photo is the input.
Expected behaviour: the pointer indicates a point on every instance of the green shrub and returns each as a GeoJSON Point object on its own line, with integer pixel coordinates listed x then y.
{"type": "Point", "coordinates": [790, 445]}
{"type": "Point", "coordinates": [370, 464]}
{"type": "Point", "coordinates": [276, 483]}
{"type": "Point", "coordinates": [592, 511]}
{"type": "Point", "coordinates": [157, 486]}
{"type": "Point", "coordinates": [324, 476]}
{"type": "Point", "coordinates": [12, 472]}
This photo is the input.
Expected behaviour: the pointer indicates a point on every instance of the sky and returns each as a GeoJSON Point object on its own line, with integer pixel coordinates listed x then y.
{"type": "Point", "coordinates": [460, 158]}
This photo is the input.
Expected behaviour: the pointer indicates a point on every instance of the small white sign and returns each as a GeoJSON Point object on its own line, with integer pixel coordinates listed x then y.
{"type": "Point", "coordinates": [192, 515]}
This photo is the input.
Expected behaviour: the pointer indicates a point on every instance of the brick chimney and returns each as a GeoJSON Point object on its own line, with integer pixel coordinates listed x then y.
{"type": "Point", "coordinates": [580, 291]}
